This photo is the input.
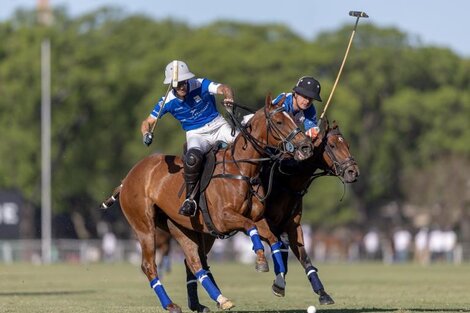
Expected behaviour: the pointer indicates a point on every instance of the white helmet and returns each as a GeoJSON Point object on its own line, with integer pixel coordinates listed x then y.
{"type": "Point", "coordinates": [182, 72]}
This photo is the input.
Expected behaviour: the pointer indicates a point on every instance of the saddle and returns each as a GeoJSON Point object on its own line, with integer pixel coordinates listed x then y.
{"type": "Point", "coordinates": [207, 172]}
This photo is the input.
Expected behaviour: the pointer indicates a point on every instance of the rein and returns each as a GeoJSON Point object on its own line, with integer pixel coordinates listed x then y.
{"type": "Point", "coordinates": [261, 147]}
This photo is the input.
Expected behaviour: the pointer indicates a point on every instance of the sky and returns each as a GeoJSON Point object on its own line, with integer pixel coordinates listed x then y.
{"type": "Point", "coordinates": [444, 23]}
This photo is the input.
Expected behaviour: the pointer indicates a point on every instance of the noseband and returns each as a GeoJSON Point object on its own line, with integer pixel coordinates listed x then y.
{"type": "Point", "coordinates": [285, 142]}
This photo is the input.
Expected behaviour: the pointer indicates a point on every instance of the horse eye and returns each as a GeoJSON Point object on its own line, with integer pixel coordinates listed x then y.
{"type": "Point", "coordinates": [279, 122]}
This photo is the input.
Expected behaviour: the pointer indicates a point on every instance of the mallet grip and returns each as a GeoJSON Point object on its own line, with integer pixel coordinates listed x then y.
{"type": "Point", "coordinates": [174, 81]}
{"type": "Point", "coordinates": [358, 14]}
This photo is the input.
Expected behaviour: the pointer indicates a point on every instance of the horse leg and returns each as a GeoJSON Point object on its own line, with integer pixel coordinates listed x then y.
{"type": "Point", "coordinates": [280, 266]}
{"type": "Point", "coordinates": [190, 244]}
{"type": "Point", "coordinates": [208, 242]}
{"type": "Point", "coordinates": [146, 237]}
{"type": "Point", "coordinates": [279, 283]}
{"type": "Point", "coordinates": [296, 239]}
{"type": "Point", "coordinates": [163, 244]}
{"type": "Point", "coordinates": [191, 289]}
{"type": "Point", "coordinates": [233, 220]}
{"type": "Point", "coordinates": [191, 280]}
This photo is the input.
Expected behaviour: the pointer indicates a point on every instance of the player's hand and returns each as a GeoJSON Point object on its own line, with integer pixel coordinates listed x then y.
{"type": "Point", "coordinates": [228, 103]}
{"type": "Point", "coordinates": [148, 138]}
{"type": "Point", "coordinates": [313, 132]}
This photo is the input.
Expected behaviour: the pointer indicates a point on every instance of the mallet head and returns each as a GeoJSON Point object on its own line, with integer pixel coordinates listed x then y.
{"type": "Point", "coordinates": [358, 14]}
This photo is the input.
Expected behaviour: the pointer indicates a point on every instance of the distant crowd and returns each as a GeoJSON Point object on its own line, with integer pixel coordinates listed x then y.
{"type": "Point", "coordinates": [424, 245]}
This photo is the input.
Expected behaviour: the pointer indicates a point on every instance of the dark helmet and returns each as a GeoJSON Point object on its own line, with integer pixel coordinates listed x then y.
{"type": "Point", "coordinates": [309, 87]}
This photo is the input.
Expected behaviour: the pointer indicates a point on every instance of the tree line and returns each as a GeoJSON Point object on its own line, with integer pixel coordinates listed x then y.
{"type": "Point", "coordinates": [403, 107]}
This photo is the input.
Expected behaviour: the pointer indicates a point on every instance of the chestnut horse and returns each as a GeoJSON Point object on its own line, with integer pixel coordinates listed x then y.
{"type": "Point", "coordinates": [284, 207]}
{"type": "Point", "coordinates": [149, 197]}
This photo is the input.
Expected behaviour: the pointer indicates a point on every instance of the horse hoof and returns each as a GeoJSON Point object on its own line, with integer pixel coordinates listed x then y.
{"type": "Point", "coordinates": [174, 308]}
{"type": "Point", "coordinates": [278, 292]}
{"type": "Point", "coordinates": [227, 305]}
{"type": "Point", "coordinates": [199, 308]}
{"type": "Point", "coordinates": [203, 309]}
{"type": "Point", "coordinates": [326, 299]}
{"type": "Point", "coordinates": [262, 267]}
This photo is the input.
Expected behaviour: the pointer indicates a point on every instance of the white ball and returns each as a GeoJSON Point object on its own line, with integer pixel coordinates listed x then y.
{"type": "Point", "coordinates": [311, 309]}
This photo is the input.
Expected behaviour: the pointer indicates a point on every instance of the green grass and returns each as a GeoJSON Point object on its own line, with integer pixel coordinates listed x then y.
{"type": "Point", "coordinates": [123, 288]}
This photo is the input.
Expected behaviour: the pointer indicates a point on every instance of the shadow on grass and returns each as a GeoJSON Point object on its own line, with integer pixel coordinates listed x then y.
{"type": "Point", "coordinates": [45, 293]}
{"type": "Point", "coordinates": [365, 310]}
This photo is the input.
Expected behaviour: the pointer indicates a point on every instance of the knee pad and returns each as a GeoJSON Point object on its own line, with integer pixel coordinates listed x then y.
{"type": "Point", "coordinates": [193, 160]}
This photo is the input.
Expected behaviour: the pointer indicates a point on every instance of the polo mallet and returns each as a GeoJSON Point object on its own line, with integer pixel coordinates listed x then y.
{"type": "Point", "coordinates": [174, 84]}
{"type": "Point", "coordinates": [358, 15]}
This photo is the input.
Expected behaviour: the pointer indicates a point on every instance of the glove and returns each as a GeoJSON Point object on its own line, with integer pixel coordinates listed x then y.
{"type": "Point", "coordinates": [228, 103]}
{"type": "Point", "coordinates": [313, 132]}
{"type": "Point", "coordinates": [148, 138]}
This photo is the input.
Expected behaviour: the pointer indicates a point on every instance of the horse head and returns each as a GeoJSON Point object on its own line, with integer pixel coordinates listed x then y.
{"type": "Point", "coordinates": [276, 130]}
{"type": "Point", "coordinates": [335, 153]}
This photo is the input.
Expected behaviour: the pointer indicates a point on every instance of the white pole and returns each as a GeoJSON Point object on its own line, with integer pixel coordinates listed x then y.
{"type": "Point", "coordinates": [46, 151]}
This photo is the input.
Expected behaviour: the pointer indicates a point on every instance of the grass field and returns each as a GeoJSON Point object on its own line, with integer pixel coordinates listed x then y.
{"type": "Point", "coordinates": [123, 288]}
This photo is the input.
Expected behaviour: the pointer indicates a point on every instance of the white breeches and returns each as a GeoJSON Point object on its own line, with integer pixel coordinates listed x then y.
{"type": "Point", "coordinates": [204, 137]}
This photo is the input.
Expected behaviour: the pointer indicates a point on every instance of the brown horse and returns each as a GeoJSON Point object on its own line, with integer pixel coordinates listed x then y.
{"type": "Point", "coordinates": [150, 193]}
{"type": "Point", "coordinates": [284, 207]}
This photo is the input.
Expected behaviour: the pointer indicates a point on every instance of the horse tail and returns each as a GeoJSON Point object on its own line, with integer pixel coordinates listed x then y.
{"type": "Point", "coordinates": [113, 199]}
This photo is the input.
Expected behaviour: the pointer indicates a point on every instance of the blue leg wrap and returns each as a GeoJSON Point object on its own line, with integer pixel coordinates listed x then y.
{"type": "Point", "coordinates": [314, 279]}
{"type": "Point", "coordinates": [212, 279]}
{"type": "Point", "coordinates": [253, 233]}
{"type": "Point", "coordinates": [160, 291]}
{"type": "Point", "coordinates": [277, 258]}
{"type": "Point", "coordinates": [285, 254]}
{"type": "Point", "coordinates": [207, 283]}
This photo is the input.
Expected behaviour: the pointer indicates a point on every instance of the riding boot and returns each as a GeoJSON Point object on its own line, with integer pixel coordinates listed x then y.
{"type": "Point", "coordinates": [189, 205]}
{"type": "Point", "coordinates": [192, 165]}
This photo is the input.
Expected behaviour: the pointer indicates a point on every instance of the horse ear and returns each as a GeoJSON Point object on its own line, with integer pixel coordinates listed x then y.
{"type": "Point", "coordinates": [268, 101]}
{"type": "Point", "coordinates": [324, 125]}
{"type": "Point", "coordinates": [335, 125]}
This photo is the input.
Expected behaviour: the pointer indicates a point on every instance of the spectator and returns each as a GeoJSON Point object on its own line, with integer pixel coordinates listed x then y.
{"type": "Point", "coordinates": [109, 246]}
{"type": "Point", "coordinates": [371, 243]}
{"type": "Point", "coordinates": [401, 243]}
{"type": "Point", "coordinates": [421, 246]}
{"type": "Point", "coordinates": [449, 241]}
{"type": "Point", "coordinates": [436, 244]}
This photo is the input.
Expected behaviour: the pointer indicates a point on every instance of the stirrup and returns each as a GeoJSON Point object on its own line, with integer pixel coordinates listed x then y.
{"type": "Point", "coordinates": [191, 203]}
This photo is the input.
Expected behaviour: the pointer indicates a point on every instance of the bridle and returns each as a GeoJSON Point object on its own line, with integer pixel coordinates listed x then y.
{"type": "Point", "coordinates": [285, 146]}
{"type": "Point", "coordinates": [285, 143]}
{"type": "Point", "coordinates": [274, 153]}
{"type": "Point", "coordinates": [339, 167]}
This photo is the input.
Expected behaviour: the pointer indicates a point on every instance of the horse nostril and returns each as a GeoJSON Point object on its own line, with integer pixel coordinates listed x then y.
{"type": "Point", "coordinates": [306, 149]}
{"type": "Point", "coordinates": [353, 173]}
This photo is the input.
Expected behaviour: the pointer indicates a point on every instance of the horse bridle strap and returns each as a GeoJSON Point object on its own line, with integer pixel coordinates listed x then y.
{"type": "Point", "coordinates": [233, 176]}
{"type": "Point", "coordinates": [261, 147]}
{"type": "Point", "coordinates": [339, 167]}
